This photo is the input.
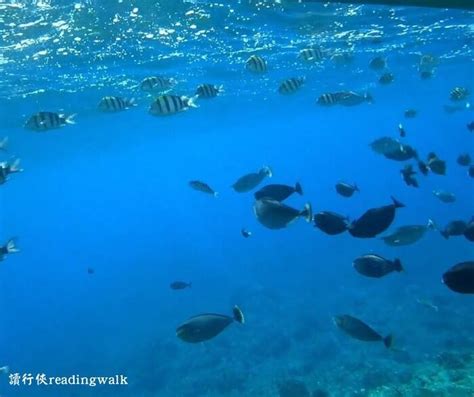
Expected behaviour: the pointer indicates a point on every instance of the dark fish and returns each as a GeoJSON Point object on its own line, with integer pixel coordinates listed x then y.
{"type": "Point", "coordinates": [469, 232]}
{"type": "Point", "coordinates": [245, 233]}
{"type": "Point", "coordinates": [426, 74]}
{"type": "Point", "coordinates": [454, 228]}
{"type": "Point", "coordinates": [470, 171]}
{"type": "Point", "coordinates": [459, 94]}
{"type": "Point", "coordinates": [278, 192]}
{"type": "Point", "coordinates": [385, 145]}
{"type": "Point", "coordinates": [251, 181]}
{"type": "Point", "coordinates": [330, 222]}
{"type": "Point", "coordinates": [9, 168]}
{"type": "Point", "coordinates": [290, 86]}
{"type": "Point", "coordinates": [276, 215]}
{"type": "Point", "coordinates": [346, 189]}
{"type": "Point", "coordinates": [157, 84]}
{"type": "Point", "coordinates": [460, 278]}
{"type": "Point", "coordinates": [403, 152]}
{"type": "Point", "coordinates": [410, 113]}
{"type": "Point", "coordinates": [402, 131]}
{"type": "Point", "coordinates": [208, 325]}
{"type": "Point", "coordinates": [207, 91]}
{"type": "Point", "coordinates": [423, 167]}
{"type": "Point", "coordinates": [115, 104]}
{"type": "Point", "coordinates": [360, 330]}
{"type": "Point", "coordinates": [386, 78]}
{"type": "Point", "coordinates": [375, 220]}
{"type": "Point", "coordinates": [376, 266]}
{"type": "Point", "coordinates": [464, 160]}
{"type": "Point", "coordinates": [445, 197]}
{"type": "Point", "coordinates": [90, 270]}
{"type": "Point", "coordinates": [408, 176]}
{"type": "Point", "coordinates": [407, 235]}
{"type": "Point", "coordinates": [8, 248]}
{"type": "Point", "coordinates": [44, 121]}
{"type": "Point", "coordinates": [436, 165]}
{"type": "Point", "coordinates": [344, 98]}
{"type": "Point", "coordinates": [256, 64]}
{"type": "Point", "coordinates": [203, 187]}
{"type": "Point", "coordinates": [166, 105]}
{"type": "Point", "coordinates": [180, 285]}
{"type": "Point", "coordinates": [377, 63]}
{"type": "Point", "coordinates": [470, 126]}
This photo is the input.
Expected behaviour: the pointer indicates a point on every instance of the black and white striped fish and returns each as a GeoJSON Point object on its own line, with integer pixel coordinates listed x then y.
{"type": "Point", "coordinates": [459, 94]}
{"type": "Point", "coordinates": [256, 64]}
{"type": "Point", "coordinates": [166, 105]}
{"type": "Point", "coordinates": [290, 86]}
{"type": "Point", "coordinates": [209, 91]}
{"type": "Point", "coordinates": [311, 54]}
{"type": "Point", "coordinates": [44, 121]}
{"type": "Point", "coordinates": [157, 84]}
{"type": "Point", "coordinates": [344, 98]}
{"type": "Point", "coordinates": [115, 104]}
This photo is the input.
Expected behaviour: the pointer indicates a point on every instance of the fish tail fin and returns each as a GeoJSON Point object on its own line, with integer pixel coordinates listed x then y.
{"type": "Point", "coordinates": [238, 315]}
{"type": "Point", "coordinates": [11, 246]}
{"type": "Point", "coordinates": [215, 194]}
{"type": "Point", "coordinates": [398, 265]}
{"type": "Point", "coordinates": [397, 204]}
{"type": "Point", "coordinates": [445, 234]}
{"type": "Point", "coordinates": [192, 101]}
{"type": "Point", "coordinates": [71, 119]}
{"type": "Point", "coordinates": [3, 144]}
{"type": "Point", "coordinates": [298, 188]}
{"type": "Point", "coordinates": [431, 224]}
{"type": "Point", "coordinates": [388, 341]}
{"type": "Point", "coordinates": [268, 171]}
{"type": "Point", "coordinates": [307, 212]}
{"type": "Point", "coordinates": [15, 167]}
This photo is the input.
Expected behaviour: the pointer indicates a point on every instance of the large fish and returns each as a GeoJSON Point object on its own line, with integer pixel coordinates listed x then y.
{"type": "Point", "coordinates": [276, 215]}
{"type": "Point", "coordinates": [208, 325]}
{"type": "Point", "coordinates": [252, 180]}
{"type": "Point", "coordinates": [407, 235]}
{"type": "Point", "coordinates": [376, 266]}
{"type": "Point", "coordinates": [278, 192]}
{"type": "Point", "coordinates": [460, 278]}
{"type": "Point", "coordinates": [357, 329]}
{"type": "Point", "coordinates": [330, 222]}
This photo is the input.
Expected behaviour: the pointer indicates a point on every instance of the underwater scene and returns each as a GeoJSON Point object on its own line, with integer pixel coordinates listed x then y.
{"type": "Point", "coordinates": [255, 198]}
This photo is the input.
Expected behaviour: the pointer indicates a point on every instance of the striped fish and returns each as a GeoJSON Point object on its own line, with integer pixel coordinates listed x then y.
{"type": "Point", "coordinates": [209, 91]}
{"type": "Point", "coordinates": [44, 121]}
{"type": "Point", "coordinates": [166, 105]}
{"type": "Point", "coordinates": [157, 84]}
{"type": "Point", "coordinates": [311, 54]}
{"type": "Point", "coordinates": [345, 98]}
{"type": "Point", "coordinates": [290, 86]}
{"type": "Point", "coordinates": [256, 64]}
{"type": "Point", "coordinates": [115, 104]}
{"type": "Point", "coordinates": [459, 94]}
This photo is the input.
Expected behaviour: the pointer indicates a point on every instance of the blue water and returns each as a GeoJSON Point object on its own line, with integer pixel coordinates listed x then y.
{"type": "Point", "coordinates": [111, 193]}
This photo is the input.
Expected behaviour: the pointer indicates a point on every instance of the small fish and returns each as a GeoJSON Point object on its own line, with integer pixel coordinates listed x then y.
{"type": "Point", "coordinates": [344, 98]}
{"type": "Point", "coordinates": [426, 74]}
{"type": "Point", "coordinates": [245, 233]}
{"type": "Point", "coordinates": [454, 228]}
{"type": "Point", "coordinates": [157, 84]}
{"type": "Point", "coordinates": [377, 63]}
{"type": "Point", "coordinates": [90, 270]}
{"type": "Point", "coordinates": [423, 167]}
{"type": "Point", "coordinates": [436, 165]}
{"type": "Point", "coordinates": [460, 278]}
{"type": "Point", "coordinates": [45, 121]}
{"type": "Point", "coordinates": [470, 126]}
{"type": "Point", "coordinates": [357, 329]}
{"type": "Point", "coordinates": [256, 64]}
{"type": "Point", "coordinates": [375, 220]}
{"type": "Point", "coordinates": [207, 326]}
{"type": "Point", "coordinates": [346, 189]}
{"type": "Point", "coordinates": [6, 169]}
{"type": "Point", "coordinates": [459, 94]}
{"type": "Point", "coordinates": [376, 266]}
{"type": "Point", "coordinates": [290, 86]}
{"type": "Point", "coordinates": [278, 192]}
{"type": "Point", "coordinates": [401, 131]}
{"type": "Point", "coordinates": [166, 105]}
{"type": "Point", "coordinates": [386, 78]}
{"type": "Point", "coordinates": [410, 113]}
{"type": "Point", "coordinates": [444, 196]}
{"type": "Point", "coordinates": [385, 145]}
{"type": "Point", "coordinates": [177, 285]}
{"type": "Point", "coordinates": [115, 104]}
{"type": "Point", "coordinates": [251, 181]}
{"type": "Point", "coordinates": [311, 54]}
{"type": "Point", "coordinates": [406, 235]}
{"type": "Point", "coordinates": [276, 215]}
{"type": "Point", "coordinates": [464, 160]}
{"type": "Point", "coordinates": [408, 176]}
{"type": "Point", "coordinates": [207, 91]}
{"type": "Point", "coordinates": [203, 187]}
{"type": "Point", "coordinates": [330, 223]}
{"type": "Point", "coordinates": [9, 248]}
{"type": "Point", "coordinates": [3, 144]}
